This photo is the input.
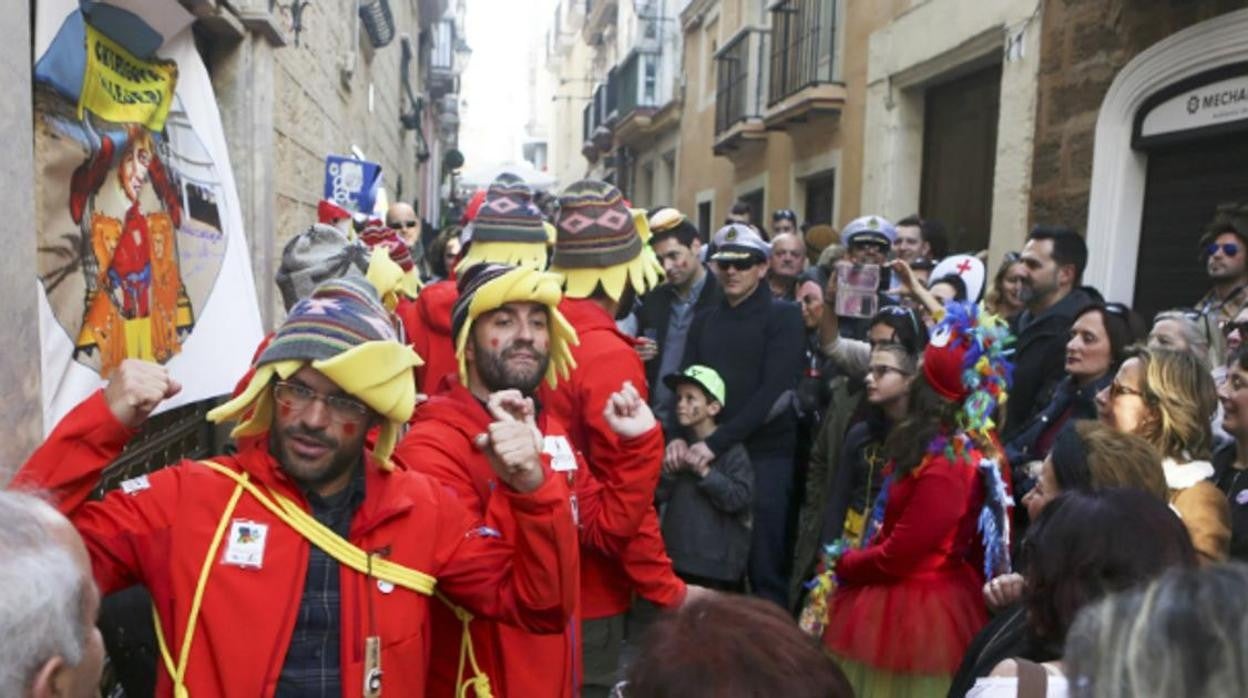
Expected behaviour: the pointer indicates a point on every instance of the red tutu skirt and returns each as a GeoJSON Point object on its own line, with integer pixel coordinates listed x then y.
{"type": "Point", "coordinates": [917, 625]}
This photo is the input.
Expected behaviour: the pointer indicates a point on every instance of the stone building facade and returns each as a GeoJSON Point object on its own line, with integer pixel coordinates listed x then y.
{"type": "Point", "coordinates": [1143, 194]}
{"type": "Point", "coordinates": [294, 82]}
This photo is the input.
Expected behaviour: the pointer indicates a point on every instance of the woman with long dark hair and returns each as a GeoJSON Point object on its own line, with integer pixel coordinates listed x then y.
{"type": "Point", "coordinates": [906, 606]}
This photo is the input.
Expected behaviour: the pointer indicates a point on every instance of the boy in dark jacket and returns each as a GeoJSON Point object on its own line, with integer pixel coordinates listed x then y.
{"type": "Point", "coordinates": [706, 522]}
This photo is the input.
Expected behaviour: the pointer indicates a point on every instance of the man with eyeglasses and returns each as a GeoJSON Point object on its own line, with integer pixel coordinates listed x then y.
{"type": "Point", "coordinates": [401, 217]}
{"type": "Point", "coordinates": [1224, 249]}
{"type": "Point", "coordinates": [305, 564]}
{"type": "Point", "coordinates": [755, 343]}
{"type": "Point", "coordinates": [869, 239]}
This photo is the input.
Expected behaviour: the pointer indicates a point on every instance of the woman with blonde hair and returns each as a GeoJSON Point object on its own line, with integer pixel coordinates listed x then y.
{"type": "Point", "coordinates": [1168, 397]}
{"type": "Point", "coordinates": [1003, 296]}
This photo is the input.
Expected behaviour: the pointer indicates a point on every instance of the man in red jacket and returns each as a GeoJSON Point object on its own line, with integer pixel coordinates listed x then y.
{"type": "Point", "coordinates": [507, 228]}
{"type": "Point", "coordinates": [602, 255]}
{"type": "Point", "coordinates": [304, 564]}
{"type": "Point", "coordinates": [510, 336]}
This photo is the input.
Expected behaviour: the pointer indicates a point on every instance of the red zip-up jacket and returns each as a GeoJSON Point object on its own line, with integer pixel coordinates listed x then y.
{"type": "Point", "coordinates": [605, 359]}
{"type": "Point", "coordinates": [157, 530]}
{"type": "Point", "coordinates": [440, 444]}
{"type": "Point", "coordinates": [427, 322]}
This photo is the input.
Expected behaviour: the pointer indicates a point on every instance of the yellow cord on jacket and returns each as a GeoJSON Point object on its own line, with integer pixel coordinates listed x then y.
{"type": "Point", "coordinates": [344, 552]}
{"type": "Point", "coordinates": [178, 673]}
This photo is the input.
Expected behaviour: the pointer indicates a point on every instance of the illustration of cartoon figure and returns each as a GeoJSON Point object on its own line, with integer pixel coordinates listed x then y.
{"type": "Point", "coordinates": [137, 305]}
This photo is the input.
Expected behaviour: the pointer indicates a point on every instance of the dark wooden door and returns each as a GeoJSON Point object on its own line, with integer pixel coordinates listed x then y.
{"type": "Point", "coordinates": [820, 191]}
{"type": "Point", "coordinates": [1186, 183]}
{"type": "Point", "coordinates": [959, 155]}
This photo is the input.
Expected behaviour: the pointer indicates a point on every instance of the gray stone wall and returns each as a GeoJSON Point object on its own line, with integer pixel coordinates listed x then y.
{"type": "Point", "coordinates": [19, 342]}
{"type": "Point", "coordinates": [316, 113]}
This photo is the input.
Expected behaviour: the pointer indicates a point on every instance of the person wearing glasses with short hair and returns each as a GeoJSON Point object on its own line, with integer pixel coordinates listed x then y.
{"type": "Point", "coordinates": [402, 218]}
{"type": "Point", "coordinates": [1224, 250]}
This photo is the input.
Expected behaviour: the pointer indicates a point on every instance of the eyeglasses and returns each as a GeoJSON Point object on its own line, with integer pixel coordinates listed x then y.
{"type": "Point", "coordinates": [1229, 249]}
{"type": "Point", "coordinates": [738, 264]}
{"type": "Point", "coordinates": [403, 224]}
{"type": "Point", "coordinates": [1230, 327]}
{"type": "Point", "coordinates": [1117, 390]}
{"type": "Point", "coordinates": [869, 245]}
{"type": "Point", "coordinates": [298, 398]}
{"type": "Point", "coordinates": [879, 371]}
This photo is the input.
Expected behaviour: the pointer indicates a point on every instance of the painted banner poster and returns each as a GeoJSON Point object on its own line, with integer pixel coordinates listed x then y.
{"type": "Point", "coordinates": [141, 250]}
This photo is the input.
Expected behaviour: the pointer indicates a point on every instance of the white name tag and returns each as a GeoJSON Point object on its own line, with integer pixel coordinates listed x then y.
{"type": "Point", "coordinates": [245, 547]}
{"type": "Point", "coordinates": [135, 484]}
{"type": "Point", "coordinates": [562, 459]}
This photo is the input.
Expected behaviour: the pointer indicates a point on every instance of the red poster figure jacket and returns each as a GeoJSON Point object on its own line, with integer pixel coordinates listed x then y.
{"type": "Point", "coordinates": [605, 359]}
{"type": "Point", "coordinates": [440, 444]}
{"type": "Point", "coordinates": [158, 533]}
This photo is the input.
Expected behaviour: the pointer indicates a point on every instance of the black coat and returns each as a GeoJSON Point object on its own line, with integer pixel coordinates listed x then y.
{"type": "Point", "coordinates": [757, 348]}
{"type": "Point", "coordinates": [1040, 357]}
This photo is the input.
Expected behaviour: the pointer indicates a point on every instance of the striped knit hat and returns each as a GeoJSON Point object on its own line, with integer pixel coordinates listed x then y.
{"type": "Point", "coordinates": [507, 229]}
{"type": "Point", "coordinates": [487, 287]}
{"type": "Point", "coordinates": [390, 269]}
{"type": "Point", "coordinates": [602, 242]}
{"type": "Point", "coordinates": [343, 331]}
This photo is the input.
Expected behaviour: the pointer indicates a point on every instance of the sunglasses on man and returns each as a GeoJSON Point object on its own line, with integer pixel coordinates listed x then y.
{"type": "Point", "coordinates": [738, 264]}
{"type": "Point", "coordinates": [399, 225]}
{"type": "Point", "coordinates": [1229, 249]}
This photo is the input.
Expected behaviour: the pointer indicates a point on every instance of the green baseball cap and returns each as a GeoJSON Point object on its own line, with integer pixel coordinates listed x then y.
{"type": "Point", "coordinates": [702, 376]}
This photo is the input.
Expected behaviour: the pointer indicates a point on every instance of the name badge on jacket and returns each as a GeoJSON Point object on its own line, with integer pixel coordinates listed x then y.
{"type": "Point", "coordinates": [245, 547]}
{"type": "Point", "coordinates": [562, 459]}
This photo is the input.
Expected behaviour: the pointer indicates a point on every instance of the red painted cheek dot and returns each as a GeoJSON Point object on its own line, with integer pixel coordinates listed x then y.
{"type": "Point", "coordinates": [348, 429]}
{"type": "Point", "coordinates": [494, 342]}
{"type": "Point", "coordinates": [283, 410]}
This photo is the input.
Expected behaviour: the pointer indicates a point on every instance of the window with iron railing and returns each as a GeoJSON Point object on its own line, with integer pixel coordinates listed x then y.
{"type": "Point", "coordinates": [442, 58]}
{"type": "Point", "coordinates": [613, 95]}
{"type": "Point", "coordinates": [638, 82]}
{"type": "Point", "coordinates": [735, 98]}
{"type": "Point", "coordinates": [600, 105]}
{"type": "Point", "coordinates": [803, 36]}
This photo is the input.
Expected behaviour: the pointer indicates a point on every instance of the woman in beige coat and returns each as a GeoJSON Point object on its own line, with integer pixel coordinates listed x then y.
{"type": "Point", "coordinates": [1168, 397]}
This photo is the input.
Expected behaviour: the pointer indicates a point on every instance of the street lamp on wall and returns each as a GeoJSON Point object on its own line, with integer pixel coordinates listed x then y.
{"type": "Point", "coordinates": [292, 13]}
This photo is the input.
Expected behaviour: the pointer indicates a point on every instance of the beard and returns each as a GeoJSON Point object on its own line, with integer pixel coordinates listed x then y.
{"type": "Point", "coordinates": [498, 373]}
{"type": "Point", "coordinates": [312, 475]}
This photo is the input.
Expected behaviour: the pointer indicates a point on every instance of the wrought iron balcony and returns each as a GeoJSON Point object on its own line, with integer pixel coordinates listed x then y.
{"type": "Point", "coordinates": [739, 87]}
{"type": "Point", "coordinates": [802, 61]}
{"type": "Point", "coordinates": [442, 58]}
